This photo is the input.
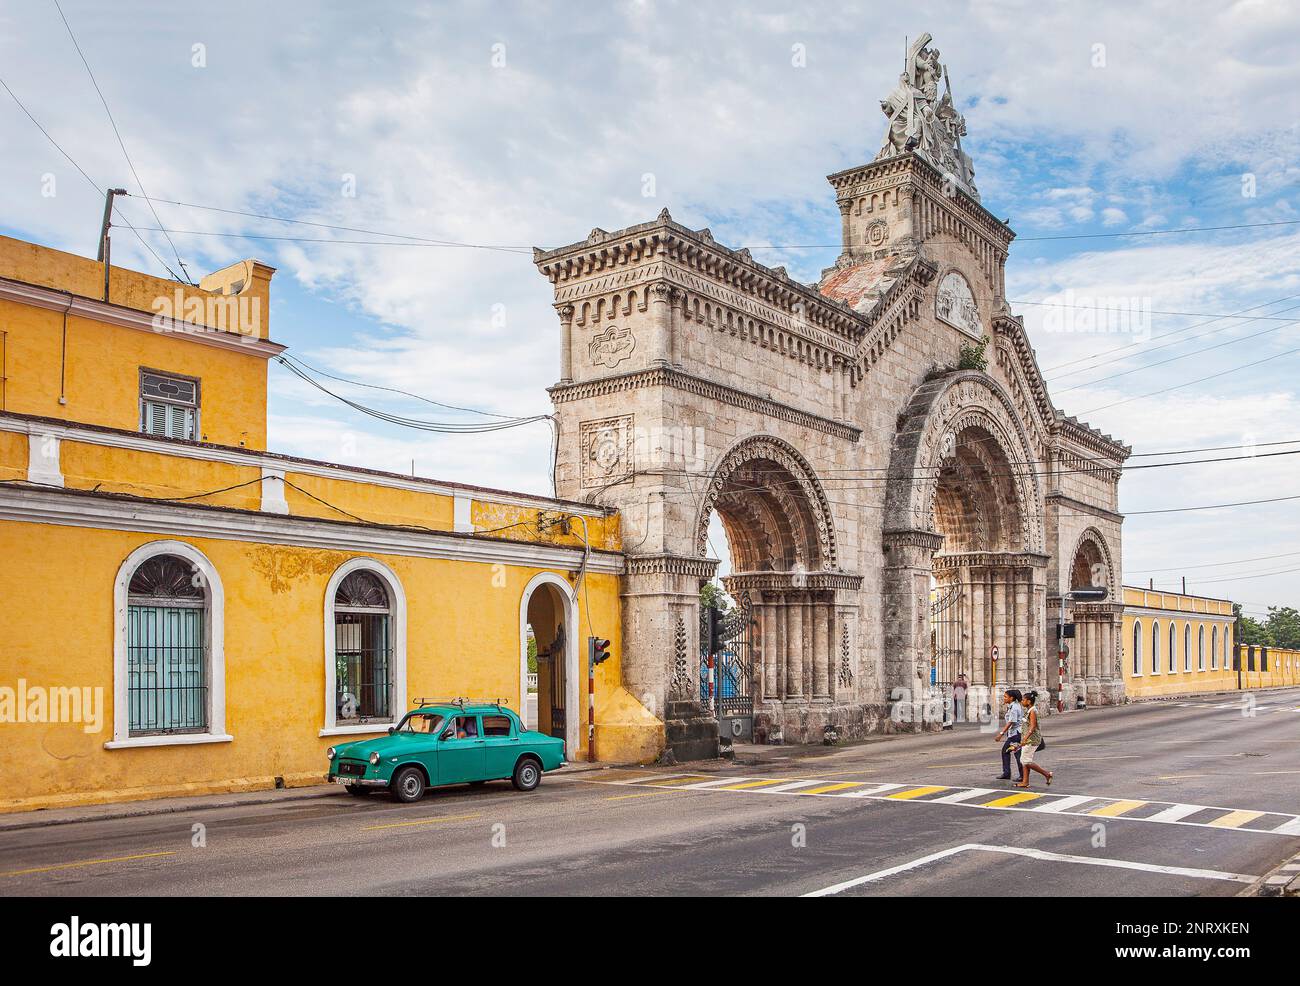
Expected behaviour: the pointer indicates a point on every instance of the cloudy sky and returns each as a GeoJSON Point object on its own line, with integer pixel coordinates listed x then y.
{"type": "Point", "coordinates": [512, 125]}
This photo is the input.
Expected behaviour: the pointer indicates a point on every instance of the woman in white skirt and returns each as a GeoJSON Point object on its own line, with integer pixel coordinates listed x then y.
{"type": "Point", "coordinates": [1032, 740]}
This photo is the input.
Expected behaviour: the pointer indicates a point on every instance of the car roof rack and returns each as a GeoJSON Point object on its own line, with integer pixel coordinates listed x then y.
{"type": "Point", "coordinates": [460, 701]}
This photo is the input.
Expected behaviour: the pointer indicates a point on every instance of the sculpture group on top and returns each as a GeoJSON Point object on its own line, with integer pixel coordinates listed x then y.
{"type": "Point", "coordinates": [925, 121]}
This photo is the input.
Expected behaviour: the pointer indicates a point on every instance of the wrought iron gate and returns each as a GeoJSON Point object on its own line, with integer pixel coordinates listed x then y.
{"type": "Point", "coordinates": [727, 669]}
{"type": "Point", "coordinates": [945, 641]}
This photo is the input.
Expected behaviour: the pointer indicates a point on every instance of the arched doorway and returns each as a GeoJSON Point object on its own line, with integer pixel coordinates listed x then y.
{"type": "Point", "coordinates": [964, 578]}
{"type": "Point", "coordinates": [789, 653]}
{"type": "Point", "coordinates": [1093, 662]}
{"type": "Point", "coordinates": [548, 627]}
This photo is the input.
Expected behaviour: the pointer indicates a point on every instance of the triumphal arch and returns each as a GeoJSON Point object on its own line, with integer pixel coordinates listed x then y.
{"type": "Point", "coordinates": [902, 499]}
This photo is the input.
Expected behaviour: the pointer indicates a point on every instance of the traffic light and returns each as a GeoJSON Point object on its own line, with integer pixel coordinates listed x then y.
{"type": "Point", "coordinates": [597, 650]}
{"type": "Point", "coordinates": [717, 630]}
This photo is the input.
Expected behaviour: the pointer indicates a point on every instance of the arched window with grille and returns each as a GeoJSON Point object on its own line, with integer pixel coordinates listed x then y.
{"type": "Point", "coordinates": [365, 660]}
{"type": "Point", "coordinates": [1214, 649]}
{"type": "Point", "coordinates": [168, 653]}
{"type": "Point", "coordinates": [1200, 648]}
{"type": "Point", "coordinates": [1155, 647]}
{"type": "Point", "coordinates": [1173, 647]}
{"type": "Point", "coordinates": [1187, 647]}
{"type": "Point", "coordinates": [1137, 648]}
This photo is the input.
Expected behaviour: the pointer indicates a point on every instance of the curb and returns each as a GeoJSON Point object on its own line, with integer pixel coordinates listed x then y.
{"type": "Point", "coordinates": [1281, 882]}
{"type": "Point", "coordinates": [43, 818]}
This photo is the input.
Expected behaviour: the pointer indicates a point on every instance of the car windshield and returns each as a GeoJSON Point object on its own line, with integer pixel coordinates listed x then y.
{"type": "Point", "coordinates": [420, 722]}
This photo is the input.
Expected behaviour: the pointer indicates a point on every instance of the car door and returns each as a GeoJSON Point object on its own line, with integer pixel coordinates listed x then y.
{"type": "Point", "coordinates": [501, 742]}
{"type": "Point", "coordinates": [461, 751]}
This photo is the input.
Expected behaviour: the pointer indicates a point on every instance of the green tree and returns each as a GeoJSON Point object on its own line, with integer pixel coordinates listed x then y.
{"type": "Point", "coordinates": [712, 594]}
{"type": "Point", "coordinates": [1283, 625]}
{"type": "Point", "coordinates": [1250, 631]}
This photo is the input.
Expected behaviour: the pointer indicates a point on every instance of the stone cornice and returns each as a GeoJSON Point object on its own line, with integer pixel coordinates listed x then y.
{"type": "Point", "coordinates": [990, 559]}
{"type": "Point", "coordinates": [664, 239]}
{"type": "Point", "coordinates": [1088, 508]}
{"type": "Point", "coordinates": [912, 537]}
{"type": "Point", "coordinates": [1092, 439]}
{"type": "Point", "coordinates": [699, 387]}
{"type": "Point", "coordinates": [665, 564]}
{"type": "Point", "coordinates": [78, 306]}
{"type": "Point", "coordinates": [1012, 328]}
{"type": "Point", "coordinates": [906, 169]}
{"type": "Point", "coordinates": [772, 581]}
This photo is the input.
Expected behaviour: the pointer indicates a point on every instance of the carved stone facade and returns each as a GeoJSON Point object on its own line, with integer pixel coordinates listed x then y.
{"type": "Point", "coordinates": [855, 469]}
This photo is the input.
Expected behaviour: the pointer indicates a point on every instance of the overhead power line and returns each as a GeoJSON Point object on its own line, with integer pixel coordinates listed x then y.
{"type": "Point", "coordinates": [99, 189]}
{"type": "Point", "coordinates": [1180, 386]}
{"type": "Point", "coordinates": [1211, 506]}
{"type": "Point", "coordinates": [118, 134]}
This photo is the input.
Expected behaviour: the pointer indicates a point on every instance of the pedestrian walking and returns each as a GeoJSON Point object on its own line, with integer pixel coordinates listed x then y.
{"type": "Point", "coordinates": [959, 689]}
{"type": "Point", "coordinates": [1014, 714]}
{"type": "Point", "coordinates": [1031, 742]}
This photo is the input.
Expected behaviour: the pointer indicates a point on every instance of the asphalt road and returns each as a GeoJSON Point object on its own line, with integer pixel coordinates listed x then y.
{"type": "Point", "coordinates": [846, 821]}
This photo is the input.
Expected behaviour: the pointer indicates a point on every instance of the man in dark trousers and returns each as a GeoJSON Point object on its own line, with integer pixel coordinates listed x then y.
{"type": "Point", "coordinates": [1014, 714]}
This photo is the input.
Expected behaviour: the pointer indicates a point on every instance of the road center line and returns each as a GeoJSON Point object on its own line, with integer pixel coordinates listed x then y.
{"type": "Point", "coordinates": [87, 862]}
{"type": "Point", "coordinates": [1040, 854]}
{"type": "Point", "coordinates": [421, 821]}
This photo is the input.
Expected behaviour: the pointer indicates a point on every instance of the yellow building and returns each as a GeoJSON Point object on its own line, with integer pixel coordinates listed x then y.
{"type": "Point", "coordinates": [1181, 644]}
{"type": "Point", "coordinates": [182, 611]}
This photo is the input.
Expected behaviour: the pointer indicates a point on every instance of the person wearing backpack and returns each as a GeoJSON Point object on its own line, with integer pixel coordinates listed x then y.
{"type": "Point", "coordinates": [1031, 742]}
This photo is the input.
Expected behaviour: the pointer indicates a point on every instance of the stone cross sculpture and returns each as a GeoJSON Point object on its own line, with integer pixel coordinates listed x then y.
{"type": "Point", "coordinates": [923, 120]}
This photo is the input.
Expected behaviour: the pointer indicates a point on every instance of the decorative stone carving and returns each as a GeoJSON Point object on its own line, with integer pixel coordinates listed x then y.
{"type": "Point", "coordinates": [955, 304]}
{"type": "Point", "coordinates": [846, 666]}
{"type": "Point", "coordinates": [681, 683]}
{"type": "Point", "coordinates": [611, 347]}
{"type": "Point", "coordinates": [606, 450]}
{"type": "Point", "coordinates": [877, 233]}
{"type": "Point", "coordinates": [923, 120]}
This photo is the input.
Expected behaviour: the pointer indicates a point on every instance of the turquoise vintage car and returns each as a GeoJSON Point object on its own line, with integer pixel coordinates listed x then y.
{"type": "Point", "coordinates": [438, 743]}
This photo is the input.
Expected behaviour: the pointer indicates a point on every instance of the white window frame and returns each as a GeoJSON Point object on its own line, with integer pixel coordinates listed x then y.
{"type": "Point", "coordinates": [1200, 647]}
{"type": "Point", "coordinates": [1155, 647]}
{"type": "Point", "coordinates": [216, 647]}
{"type": "Point", "coordinates": [1173, 646]}
{"type": "Point", "coordinates": [397, 604]}
{"type": "Point", "coordinates": [195, 407]}
{"type": "Point", "coordinates": [1187, 647]}
{"type": "Point", "coordinates": [1214, 647]}
{"type": "Point", "coordinates": [1136, 641]}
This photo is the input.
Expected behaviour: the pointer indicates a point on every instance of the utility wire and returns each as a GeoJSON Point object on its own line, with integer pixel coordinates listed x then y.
{"type": "Point", "coordinates": [99, 189]}
{"type": "Point", "coordinates": [118, 134]}
{"type": "Point", "coordinates": [1180, 386]}
{"type": "Point", "coordinates": [1210, 506]}
{"type": "Point", "coordinates": [1213, 564]}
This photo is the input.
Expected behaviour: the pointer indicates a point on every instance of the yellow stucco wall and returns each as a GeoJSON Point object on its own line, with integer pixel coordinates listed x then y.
{"type": "Point", "coordinates": [462, 639]}
{"type": "Point", "coordinates": [1147, 607]}
{"type": "Point", "coordinates": [95, 366]}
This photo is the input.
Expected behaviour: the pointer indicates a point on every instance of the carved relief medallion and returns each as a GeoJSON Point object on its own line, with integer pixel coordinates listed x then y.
{"type": "Point", "coordinates": [955, 304]}
{"type": "Point", "coordinates": [877, 233]}
{"type": "Point", "coordinates": [606, 450]}
{"type": "Point", "coordinates": [611, 347]}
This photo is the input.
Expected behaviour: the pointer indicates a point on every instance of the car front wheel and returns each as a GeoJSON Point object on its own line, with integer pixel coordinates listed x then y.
{"type": "Point", "coordinates": [528, 774]}
{"type": "Point", "coordinates": [408, 785]}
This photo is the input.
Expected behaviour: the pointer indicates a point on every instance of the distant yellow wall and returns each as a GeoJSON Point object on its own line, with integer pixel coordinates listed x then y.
{"type": "Point", "coordinates": [89, 370]}
{"type": "Point", "coordinates": [462, 639]}
{"type": "Point", "coordinates": [1283, 667]}
{"type": "Point", "coordinates": [1148, 608]}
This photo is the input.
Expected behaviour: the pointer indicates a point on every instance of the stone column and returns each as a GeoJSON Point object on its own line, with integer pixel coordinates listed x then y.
{"type": "Point", "coordinates": [661, 313]}
{"type": "Point", "coordinates": [566, 344]}
{"type": "Point", "coordinates": [771, 687]}
{"type": "Point", "coordinates": [794, 648]}
{"type": "Point", "coordinates": [821, 648]}
{"type": "Point", "coordinates": [906, 611]}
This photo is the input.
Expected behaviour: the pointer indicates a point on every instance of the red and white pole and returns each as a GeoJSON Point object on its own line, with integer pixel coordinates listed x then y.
{"type": "Point", "coordinates": [591, 711]}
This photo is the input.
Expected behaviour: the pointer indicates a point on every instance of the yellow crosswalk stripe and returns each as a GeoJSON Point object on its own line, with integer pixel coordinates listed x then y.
{"type": "Point", "coordinates": [1235, 819]}
{"type": "Point", "coordinates": [688, 779]}
{"type": "Point", "coordinates": [1011, 799]}
{"type": "Point", "coordinates": [743, 785]}
{"type": "Point", "coordinates": [916, 792]}
{"type": "Point", "coordinates": [1117, 808]}
{"type": "Point", "coordinates": [842, 786]}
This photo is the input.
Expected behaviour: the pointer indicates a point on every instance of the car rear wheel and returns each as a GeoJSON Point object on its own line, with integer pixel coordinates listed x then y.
{"type": "Point", "coordinates": [528, 774]}
{"type": "Point", "coordinates": [357, 791]}
{"type": "Point", "coordinates": [408, 785]}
